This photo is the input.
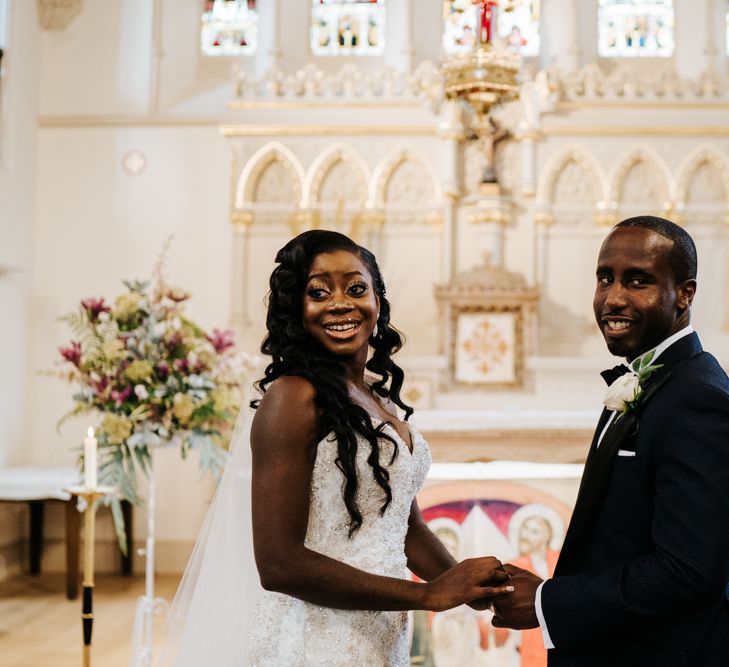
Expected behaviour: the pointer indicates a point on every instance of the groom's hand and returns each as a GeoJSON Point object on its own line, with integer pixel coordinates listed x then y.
{"type": "Point", "coordinates": [517, 610]}
{"type": "Point", "coordinates": [500, 576]}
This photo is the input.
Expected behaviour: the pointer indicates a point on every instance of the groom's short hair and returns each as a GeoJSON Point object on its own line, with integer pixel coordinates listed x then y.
{"type": "Point", "coordinates": [682, 258]}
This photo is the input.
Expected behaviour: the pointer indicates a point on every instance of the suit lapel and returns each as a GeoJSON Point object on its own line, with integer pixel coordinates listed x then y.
{"type": "Point", "coordinates": [597, 473]}
{"type": "Point", "coordinates": [599, 464]}
{"type": "Point", "coordinates": [582, 503]}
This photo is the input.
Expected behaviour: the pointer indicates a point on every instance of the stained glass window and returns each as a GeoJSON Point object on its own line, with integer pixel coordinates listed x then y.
{"type": "Point", "coordinates": [517, 25]}
{"type": "Point", "coordinates": [635, 28]}
{"type": "Point", "coordinates": [229, 27]}
{"type": "Point", "coordinates": [347, 27]}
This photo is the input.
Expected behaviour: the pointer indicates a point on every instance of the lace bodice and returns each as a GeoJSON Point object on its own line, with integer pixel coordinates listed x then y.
{"type": "Point", "coordinates": [290, 632]}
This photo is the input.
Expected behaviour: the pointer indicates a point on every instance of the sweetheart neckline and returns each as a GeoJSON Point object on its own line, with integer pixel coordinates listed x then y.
{"type": "Point", "coordinates": [397, 434]}
{"type": "Point", "coordinates": [413, 438]}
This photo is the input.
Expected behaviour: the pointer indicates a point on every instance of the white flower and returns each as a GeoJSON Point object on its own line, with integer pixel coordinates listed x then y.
{"type": "Point", "coordinates": [141, 392]}
{"type": "Point", "coordinates": [621, 392]}
{"type": "Point", "coordinates": [159, 329]}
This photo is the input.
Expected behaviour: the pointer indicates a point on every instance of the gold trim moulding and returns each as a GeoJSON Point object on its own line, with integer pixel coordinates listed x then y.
{"type": "Point", "coordinates": [326, 130]}
{"type": "Point", "coordinates": [125, 120]}
{"type": "Point", "coordinates": [576, 105]}
{"type": "Point", "coordinates": [654, 131]}
{"type": "Point", "coordinates": [289, 105]}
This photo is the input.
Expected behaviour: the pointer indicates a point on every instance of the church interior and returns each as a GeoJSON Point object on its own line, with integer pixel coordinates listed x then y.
{"type": "Point", "coordinates": [481, 149]}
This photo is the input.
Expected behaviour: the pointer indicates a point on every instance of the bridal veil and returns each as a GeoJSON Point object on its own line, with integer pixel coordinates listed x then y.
{"type": "Point", "coordinates": [210, 618]}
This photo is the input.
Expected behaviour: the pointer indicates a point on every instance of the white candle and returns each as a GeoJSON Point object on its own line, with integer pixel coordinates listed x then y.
{"type": "Point", "coordinates": [90, 460]}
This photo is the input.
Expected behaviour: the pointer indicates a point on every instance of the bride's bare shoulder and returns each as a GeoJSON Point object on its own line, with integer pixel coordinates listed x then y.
{"type": "Point", "coordinates": [288, 409]}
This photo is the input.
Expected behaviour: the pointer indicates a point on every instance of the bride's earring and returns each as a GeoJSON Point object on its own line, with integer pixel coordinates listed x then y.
{"type": "Point", "coordinates": [375, 331]}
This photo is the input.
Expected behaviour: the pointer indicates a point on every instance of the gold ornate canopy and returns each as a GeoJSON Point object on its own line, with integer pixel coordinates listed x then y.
{"type": "Point", "coordinates": [485, 76]}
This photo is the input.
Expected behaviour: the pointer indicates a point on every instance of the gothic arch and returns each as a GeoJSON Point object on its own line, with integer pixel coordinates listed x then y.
{"type": "Point", "coordinates": [404, 165]}
{"type": "Point", "coordinates": [271, 156]}
{"type": "Point", "coordinates": [709, 165]}
{"type": "Point", "coordinates": [354, 177]}
{"type": "Point", "coordinates": [586, 174]}
{"type": "Point", "coordinates": [643, 178]}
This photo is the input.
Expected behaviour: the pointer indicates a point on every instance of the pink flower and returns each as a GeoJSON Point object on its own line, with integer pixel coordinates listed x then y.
{"type": "Point", "coordinates": [94, 307]}
{"type": "Point", "coordinates": [72, 353]}
{"type": "Point", "coordinates": [100, 385]}
{"type": "Point", "coordinates": [181, 366]}
{"type": "Point", "coordinates": [174, 341]}
{"type": "Point", "coordinates": [121, 395]}
{"type": "Point", "coordinates": [163, 370]}
{"type": "Point", "coordinates": [221, 340]}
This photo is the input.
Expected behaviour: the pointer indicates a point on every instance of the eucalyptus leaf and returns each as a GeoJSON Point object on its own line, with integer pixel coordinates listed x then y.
{"type": "Point", "coordinates": [118, 515]}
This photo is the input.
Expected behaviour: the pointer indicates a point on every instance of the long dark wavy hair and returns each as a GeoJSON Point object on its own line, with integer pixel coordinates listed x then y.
{"type": "Point", "coordinates": [294, 352]}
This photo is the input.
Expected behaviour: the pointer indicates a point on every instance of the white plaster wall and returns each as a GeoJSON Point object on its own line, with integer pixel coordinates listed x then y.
{"type": "Point", "coordinates": [100, 63]}
{"type": "Point", "coordinates": [18, 103]}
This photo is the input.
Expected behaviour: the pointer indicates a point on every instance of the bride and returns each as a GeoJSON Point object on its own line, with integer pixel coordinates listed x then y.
{"type": "Point", "coordinates": [330, 473]}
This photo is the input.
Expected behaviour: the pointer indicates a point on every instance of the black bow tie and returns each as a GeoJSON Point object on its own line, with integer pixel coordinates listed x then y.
{"type": "Point", "coordinates": [612, 374]}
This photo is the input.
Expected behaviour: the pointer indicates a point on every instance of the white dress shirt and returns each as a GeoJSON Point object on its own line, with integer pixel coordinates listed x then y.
{"type": "Point", "coordinates": [658, 350]}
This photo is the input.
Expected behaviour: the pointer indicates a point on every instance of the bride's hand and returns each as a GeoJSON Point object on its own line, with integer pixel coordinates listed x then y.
{"type": "Point", "coordinates": [469, 580]}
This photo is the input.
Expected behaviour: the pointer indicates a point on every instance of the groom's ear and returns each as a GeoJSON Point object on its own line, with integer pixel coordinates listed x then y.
{"type": "Point", "coordinates": [685, 293]}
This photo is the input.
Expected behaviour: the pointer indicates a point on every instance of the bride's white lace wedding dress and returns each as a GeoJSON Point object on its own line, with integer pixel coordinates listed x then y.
{"type": "Point", "coordinates": [289, 632]}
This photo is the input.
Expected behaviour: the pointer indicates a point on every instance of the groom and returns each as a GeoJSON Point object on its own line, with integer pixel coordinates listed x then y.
{"type": "Point", "coordinates": [642, 577]}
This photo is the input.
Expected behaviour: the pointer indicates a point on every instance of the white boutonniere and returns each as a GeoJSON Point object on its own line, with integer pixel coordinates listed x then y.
{"type": "Point", "coordinates": [625, 393]}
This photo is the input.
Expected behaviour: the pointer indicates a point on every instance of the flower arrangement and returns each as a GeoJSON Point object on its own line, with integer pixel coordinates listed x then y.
{"type": "Point", "coordinates": [155, 377]}
{"type": "Point", "coordinates": [625, 392]}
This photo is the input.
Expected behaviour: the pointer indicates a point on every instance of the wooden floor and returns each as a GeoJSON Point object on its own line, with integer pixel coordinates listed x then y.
{"type": "Point", "coordinates": [39, 627]}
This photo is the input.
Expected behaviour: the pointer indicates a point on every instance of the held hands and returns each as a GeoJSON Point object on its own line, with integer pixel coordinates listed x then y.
{"type": "Point", "coordinates": [517, 610]}
{"type": "Point", "coordinates": [472, 579]}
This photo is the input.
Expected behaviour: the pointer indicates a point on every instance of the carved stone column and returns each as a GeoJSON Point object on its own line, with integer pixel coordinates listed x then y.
{"type": "Point", "coordinates": [399, 53]}
{"type": "Point", "coordinates": [715, 56]}
{"type": "Point", "coordinates": [374, 222]}
{"type": "Point", "coordinates": [492, 215]}
{"type": "Point", "coordinates": [528, 137]}
{"type": "Point", "coordinates": [451, 132]}
{"type": "Point", "coordinates": [542, 221]}
{"type": "Point", "coordinates": [270, 18]}
{"type": "Point", "coordinates": [241, 221]}
{"type": "Point", "coordinates": [561, 21]}
{"type": "Point", "coordinates": [690, 20]}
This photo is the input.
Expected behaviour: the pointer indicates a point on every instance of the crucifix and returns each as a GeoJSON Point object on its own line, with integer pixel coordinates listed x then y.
{"type": "Point", "coordinates": [487, 11]}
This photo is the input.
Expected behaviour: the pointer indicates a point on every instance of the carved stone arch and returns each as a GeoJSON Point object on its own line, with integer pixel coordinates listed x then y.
{"type": "Point", "coordinates": [642, 179]}
{"type": "Point", "coordinates": [572, 178]}
{"type": "Point", "coordinates": [703, 179]}
{"type": "Point", "coordinates": [404, 178]}
{"type": "Point", "coordinates": [272, 175]}
{"type": "Point", "coordinates": [338, 175]}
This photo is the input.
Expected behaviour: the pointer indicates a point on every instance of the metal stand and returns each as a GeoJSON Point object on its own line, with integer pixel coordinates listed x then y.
{"type": "Point", "coordinates": [87, 609]}
{"type": "Point", "coordinates": [147, 605]}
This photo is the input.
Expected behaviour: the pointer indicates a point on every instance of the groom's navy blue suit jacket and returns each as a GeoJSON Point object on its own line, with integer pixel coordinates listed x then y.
{"type": "Point", "coordinates": [642, 577]}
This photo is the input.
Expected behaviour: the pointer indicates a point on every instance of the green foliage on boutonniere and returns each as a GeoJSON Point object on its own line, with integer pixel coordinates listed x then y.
{"type": "Point", "coordinates": [626, 392]}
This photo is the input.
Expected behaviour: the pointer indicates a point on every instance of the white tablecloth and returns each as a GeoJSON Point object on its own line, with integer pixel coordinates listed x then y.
{"type": "Point", "coordinates": [36, 483]}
